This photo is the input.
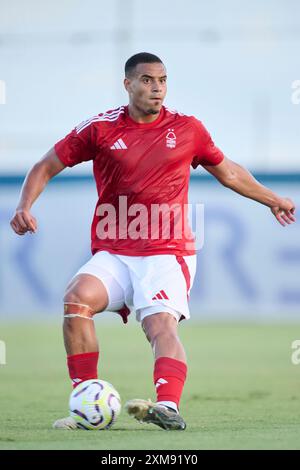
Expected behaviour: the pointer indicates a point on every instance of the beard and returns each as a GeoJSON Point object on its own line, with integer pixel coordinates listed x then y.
{"type": "Point", "coordinates": [153, 111]}
{"type": "Point", "coordinates": [148, 110]}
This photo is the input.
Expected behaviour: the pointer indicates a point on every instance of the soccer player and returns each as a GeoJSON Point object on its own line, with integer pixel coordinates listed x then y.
{"type": "Point", "coordinates": [141, 153]}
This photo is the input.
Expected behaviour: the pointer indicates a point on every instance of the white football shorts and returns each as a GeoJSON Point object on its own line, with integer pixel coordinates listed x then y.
{"type": "Point", "coordinates": [145, 284]}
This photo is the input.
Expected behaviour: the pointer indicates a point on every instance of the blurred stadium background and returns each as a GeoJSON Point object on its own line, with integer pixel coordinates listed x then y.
{"type": "Point", "coordinates": [233, 66]}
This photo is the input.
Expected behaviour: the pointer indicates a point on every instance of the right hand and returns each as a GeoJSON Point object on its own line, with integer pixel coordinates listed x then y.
{"type": "Point", "coordinates": [284, 211]}
{"type": "Point", "coordinates": [23, 222]}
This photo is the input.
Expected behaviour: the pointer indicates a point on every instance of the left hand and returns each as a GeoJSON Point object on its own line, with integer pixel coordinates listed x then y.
{"type": "Point", "coordinates": [284, 212]}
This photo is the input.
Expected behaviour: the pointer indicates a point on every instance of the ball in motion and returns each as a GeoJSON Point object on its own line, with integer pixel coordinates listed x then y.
{"type": "Point", "coordinates": [95, 405]}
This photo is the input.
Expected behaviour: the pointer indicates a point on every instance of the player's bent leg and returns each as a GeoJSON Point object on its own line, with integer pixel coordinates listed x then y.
{"type": "Point", "coordinates": [169, 374]}
{"type": "Point", "coordinates": [161, 330]}
{"type": "Point", "coordinates": [85, 296]}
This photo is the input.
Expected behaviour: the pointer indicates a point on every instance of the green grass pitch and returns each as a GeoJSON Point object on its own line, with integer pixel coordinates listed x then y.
{"type": "Point", "coordinates": [242, 392]}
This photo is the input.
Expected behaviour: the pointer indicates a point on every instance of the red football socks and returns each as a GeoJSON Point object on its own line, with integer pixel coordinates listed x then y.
{"type": "Point", "coordinates": [169, 377]}
{"type": "Point", "coordinates": [169, 374]}
{"type": "Point", "coordinates": [83, 367]}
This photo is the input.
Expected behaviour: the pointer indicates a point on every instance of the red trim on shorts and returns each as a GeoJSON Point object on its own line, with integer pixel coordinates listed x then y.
{"type": "Point", "coordinates": [185, 272]}
{"type": "Point", "coordinates": [124, 312]}
{"type": "Point", "coordinates": [187, 276]}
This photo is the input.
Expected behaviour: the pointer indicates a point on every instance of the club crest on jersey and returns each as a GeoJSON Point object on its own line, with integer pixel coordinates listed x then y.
{"type": "Point", "coordinates": [171, 139]}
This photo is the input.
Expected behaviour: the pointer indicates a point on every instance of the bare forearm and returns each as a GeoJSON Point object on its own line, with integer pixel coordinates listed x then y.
{"type": "Point", "coordinates": [237, 178]}
{"type": "Point", "coordinates": [242, 182]}
{"type": "Point", "coordinates": [34, 183]}
{"type": "Point", "coordinates": [37, 178]}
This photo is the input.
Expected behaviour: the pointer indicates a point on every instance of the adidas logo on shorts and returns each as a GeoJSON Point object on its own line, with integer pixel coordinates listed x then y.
{"type": "Point", "coordinates": [160, 296]}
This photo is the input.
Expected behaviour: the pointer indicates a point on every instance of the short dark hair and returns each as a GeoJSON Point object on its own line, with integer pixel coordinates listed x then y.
{"type": "Point", "coordinates": [140, 58]}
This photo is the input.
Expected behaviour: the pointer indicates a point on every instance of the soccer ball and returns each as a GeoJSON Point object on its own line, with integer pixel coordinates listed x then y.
{"type": "Point", "coordinates": [95, 404]}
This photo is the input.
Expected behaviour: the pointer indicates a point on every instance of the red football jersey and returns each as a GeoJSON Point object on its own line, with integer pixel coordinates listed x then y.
{"type": "Point", "coordinates": [140, 168]}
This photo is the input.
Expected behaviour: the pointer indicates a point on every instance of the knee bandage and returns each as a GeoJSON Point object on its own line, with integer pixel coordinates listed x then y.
{"type": "Point", "coordinates": [72, 309]}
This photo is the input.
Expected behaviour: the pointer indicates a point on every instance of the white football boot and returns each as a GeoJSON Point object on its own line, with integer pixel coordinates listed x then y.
{"type": "Point", "coordinates": [147, 412]}
{"type": "Point", "coordinates": [65, 423]}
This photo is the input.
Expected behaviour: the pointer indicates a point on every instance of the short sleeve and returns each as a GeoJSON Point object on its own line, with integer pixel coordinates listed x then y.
{"type": "Point", "coordinates": [77, 146]}
{"type": "Point", "coordinates": [206, 152]}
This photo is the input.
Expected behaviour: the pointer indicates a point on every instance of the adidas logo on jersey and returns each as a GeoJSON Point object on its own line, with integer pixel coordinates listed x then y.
{"type": "Point", "coordinates": [160, 295]}
{"type": "Point", "coordinates": [119, 145]}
